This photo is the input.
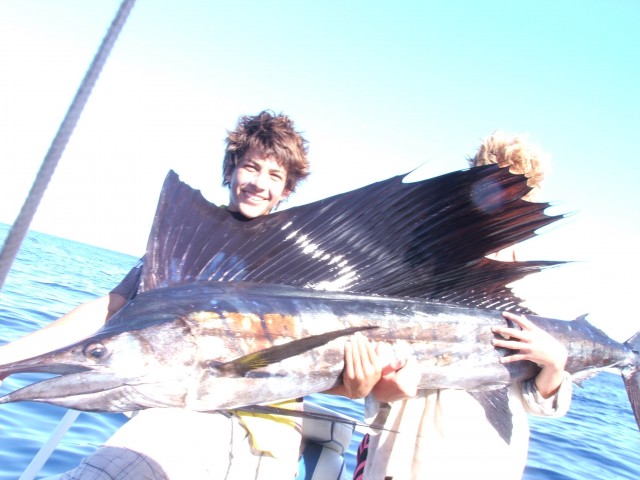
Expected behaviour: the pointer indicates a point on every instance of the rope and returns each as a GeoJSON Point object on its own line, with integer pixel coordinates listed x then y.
{"type": "Point", "coordinates": [20, 227]}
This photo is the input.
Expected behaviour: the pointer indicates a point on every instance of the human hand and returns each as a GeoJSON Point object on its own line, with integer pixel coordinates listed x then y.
{"type": "Point", "coordinates": [362, 366]}
{"type": "Point", "coordinates": [400, 375]}
{"type": "Point", "coordinates": [536, 345]}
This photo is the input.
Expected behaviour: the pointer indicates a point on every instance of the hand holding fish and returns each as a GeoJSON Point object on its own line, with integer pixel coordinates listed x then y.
{"type": "Point", "coordinates": [400, 375]}
{"type": "Point", "coordinates": [536, 345]}
{"type": "Point", "coordinates": [362, 367]}
{"type": "Point", "coordinates": [387, 372]}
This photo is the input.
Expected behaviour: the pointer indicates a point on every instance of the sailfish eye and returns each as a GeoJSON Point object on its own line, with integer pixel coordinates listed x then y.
{"type": "Point", "coordinates": [95, 351]}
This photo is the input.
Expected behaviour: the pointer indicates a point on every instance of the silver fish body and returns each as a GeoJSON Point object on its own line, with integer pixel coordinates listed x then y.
{"type": "Point", "coordinates": [215, 345]}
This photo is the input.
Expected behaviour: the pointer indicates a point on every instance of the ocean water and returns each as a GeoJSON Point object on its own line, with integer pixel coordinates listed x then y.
{"type": "Point", "coordinates": [597, 439]}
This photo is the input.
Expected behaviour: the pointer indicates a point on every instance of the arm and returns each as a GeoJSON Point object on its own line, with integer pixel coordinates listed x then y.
{"type": "Point", "coordinates": [72, 327]}
{"type": "Point", "coordinates": [400, 380]}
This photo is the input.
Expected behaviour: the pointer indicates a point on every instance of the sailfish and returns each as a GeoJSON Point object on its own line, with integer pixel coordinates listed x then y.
{"type": "Point", "coordinates": [234, 313]}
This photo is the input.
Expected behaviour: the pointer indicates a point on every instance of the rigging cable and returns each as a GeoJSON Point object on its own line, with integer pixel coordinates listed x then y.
{"type": "Point", "coordinates": [20, 227]}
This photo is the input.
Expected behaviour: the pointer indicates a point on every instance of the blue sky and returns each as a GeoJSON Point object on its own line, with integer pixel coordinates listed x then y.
{"type": "Point", "coordinates": [379, 88]}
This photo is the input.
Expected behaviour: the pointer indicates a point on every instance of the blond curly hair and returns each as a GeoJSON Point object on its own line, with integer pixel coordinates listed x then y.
{"type": "Point", "coordinates": [515, 152]}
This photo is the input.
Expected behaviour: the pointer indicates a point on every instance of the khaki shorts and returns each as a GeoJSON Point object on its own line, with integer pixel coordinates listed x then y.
{"type": "Point", "coordinates": [180, 444]}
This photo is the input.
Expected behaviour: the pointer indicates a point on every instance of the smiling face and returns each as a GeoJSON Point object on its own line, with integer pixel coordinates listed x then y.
{"type": "Point", "coordinates": [257, 184]}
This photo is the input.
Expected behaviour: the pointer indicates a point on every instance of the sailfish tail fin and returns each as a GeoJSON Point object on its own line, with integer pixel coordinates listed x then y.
{"type": "Point", "coordinates": [631, 377]}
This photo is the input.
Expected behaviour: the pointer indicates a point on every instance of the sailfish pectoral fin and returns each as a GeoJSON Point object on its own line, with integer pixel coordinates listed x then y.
{"type": "Point", "coordinates": [497, 411]}
{"type": "Point", "coordinates": [242, 365]}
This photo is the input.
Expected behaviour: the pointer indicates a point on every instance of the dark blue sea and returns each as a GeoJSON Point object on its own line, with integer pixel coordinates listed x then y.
{"type": "Point", "coordinates": [598, 439]}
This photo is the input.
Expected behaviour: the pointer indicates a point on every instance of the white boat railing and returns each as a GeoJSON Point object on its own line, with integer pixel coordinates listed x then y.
{"type": "Point", "coordinates": [40, 458]}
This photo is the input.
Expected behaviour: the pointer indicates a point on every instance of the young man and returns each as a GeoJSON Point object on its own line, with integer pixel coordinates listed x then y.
{"type": "Point", "coordinates": [265, 159]}
{"type": "Point", "coordinates": [445, 433]}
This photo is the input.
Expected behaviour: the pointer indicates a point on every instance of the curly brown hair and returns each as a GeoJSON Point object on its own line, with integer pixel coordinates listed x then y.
{"type": "Point", "coordinates": [275, 135]}
{"type": "Point", "coordinates": [515, 152]}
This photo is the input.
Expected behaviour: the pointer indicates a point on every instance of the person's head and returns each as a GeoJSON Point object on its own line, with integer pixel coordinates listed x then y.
{"type": "Point", "coordinates": [264, 161]}
{"type": "Point", "coordinates": [513, 151]}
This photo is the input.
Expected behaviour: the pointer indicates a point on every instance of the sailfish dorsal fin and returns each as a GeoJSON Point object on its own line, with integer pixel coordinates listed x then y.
{"type": "Point", "coordinates": [425, 239]}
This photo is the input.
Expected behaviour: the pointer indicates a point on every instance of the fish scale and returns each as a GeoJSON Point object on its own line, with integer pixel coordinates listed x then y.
{"type": "Point", "coordinates": [452, 344]}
